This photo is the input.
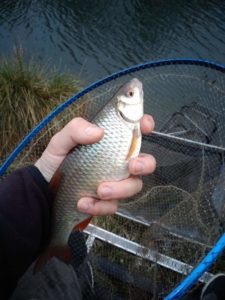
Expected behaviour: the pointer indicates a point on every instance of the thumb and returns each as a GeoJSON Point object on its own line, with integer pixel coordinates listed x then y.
{"type": "Point", "coordinates": [77, 131]}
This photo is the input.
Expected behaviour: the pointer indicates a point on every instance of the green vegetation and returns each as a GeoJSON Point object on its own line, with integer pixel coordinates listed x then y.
{"type": "Point", "coordinates": [28, 92]}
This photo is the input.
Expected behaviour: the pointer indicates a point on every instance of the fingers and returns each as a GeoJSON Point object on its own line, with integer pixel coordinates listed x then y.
{"type": "Point", "coordinates": [110, 192]}
{"type": "Point", "coordinates": [95, 207]}
{"type": "Point", "coordinates": [80, 131]}
{"type": "Point", "coordinates": [77, 131]}
{"type": "Point", "coordinates": [147, 124]}
{"type": "Point", "coordinates": [121, 189]}
{"type": "Point", "coordinates": [142, 165]}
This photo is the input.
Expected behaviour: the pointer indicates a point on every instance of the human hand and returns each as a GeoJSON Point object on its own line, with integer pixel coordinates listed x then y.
{"type": "Point", "coordinates": [80, 131]}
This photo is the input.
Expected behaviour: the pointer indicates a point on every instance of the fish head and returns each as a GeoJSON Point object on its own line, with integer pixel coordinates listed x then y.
{"type": "Point", "coordinates": [129, 101]}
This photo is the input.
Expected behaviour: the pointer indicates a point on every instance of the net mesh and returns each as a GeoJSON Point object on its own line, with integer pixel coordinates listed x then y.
{"type": "Point", "coordinates": [161, 233]}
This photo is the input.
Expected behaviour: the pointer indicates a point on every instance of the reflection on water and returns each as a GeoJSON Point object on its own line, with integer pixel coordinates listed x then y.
{"type": "Point", "coordinates": [95, 38]}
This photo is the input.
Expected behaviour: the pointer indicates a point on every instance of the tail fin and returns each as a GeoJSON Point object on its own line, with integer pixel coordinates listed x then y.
{"type": "Point", "coordinates": [62, 252]}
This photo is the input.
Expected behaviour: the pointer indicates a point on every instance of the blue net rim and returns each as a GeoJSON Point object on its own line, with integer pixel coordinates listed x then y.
{"type": "Point", "coordinates": [210, 258]}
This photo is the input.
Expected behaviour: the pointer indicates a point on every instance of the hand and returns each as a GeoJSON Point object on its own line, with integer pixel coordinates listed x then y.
{"type": "Point", "coordinates": [80, 131]}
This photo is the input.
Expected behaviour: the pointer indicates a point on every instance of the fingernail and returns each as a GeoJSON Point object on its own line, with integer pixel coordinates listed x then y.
{"type": "Point", "coordinates": [92, 130]}
{"type": "Point", "coordinates": [84, 206]}
{"type": "Point", "coordinates": [105, 192]}
{"type": "Point", "coordinates": [139, 167]}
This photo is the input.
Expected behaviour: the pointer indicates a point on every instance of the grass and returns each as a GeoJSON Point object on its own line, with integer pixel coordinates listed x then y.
{"type": "Point", "coordinates": [28, 92]}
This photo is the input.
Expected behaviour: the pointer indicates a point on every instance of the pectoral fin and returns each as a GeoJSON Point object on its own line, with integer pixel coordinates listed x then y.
{"type": "Point", "coordinates": [134, 143]}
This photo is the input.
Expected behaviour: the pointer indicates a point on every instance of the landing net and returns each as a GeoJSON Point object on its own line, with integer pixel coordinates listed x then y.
{"type": "Point", "coordinates": [157, 237]}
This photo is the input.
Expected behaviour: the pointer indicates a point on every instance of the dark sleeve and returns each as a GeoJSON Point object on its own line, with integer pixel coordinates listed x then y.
{"type": "Point", "coordinates": [24, 223]}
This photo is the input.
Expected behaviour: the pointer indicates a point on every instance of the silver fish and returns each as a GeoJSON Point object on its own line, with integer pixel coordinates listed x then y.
{"type": "Point", "coordinates": [88, 165]}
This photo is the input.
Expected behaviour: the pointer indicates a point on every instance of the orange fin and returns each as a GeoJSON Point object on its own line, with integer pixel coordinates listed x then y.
{"type": "Point", "coordinates": [54, 182]}
{"type": "Point", "coordinates": [83, 224]}
{"type": "Point", "coordinates": [62, 252]}
{"type": "Point", "coordinates": [134, 143]}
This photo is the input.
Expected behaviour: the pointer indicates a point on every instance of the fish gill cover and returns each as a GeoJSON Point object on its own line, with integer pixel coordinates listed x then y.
{"type": "Point", "coordinates": [158, 236]}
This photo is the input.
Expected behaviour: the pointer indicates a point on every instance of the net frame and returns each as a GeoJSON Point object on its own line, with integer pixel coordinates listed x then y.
{"type": "Point", "coordinates": [219, 246]}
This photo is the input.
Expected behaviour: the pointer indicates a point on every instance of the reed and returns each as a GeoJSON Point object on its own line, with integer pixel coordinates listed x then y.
{"type": "Point", "coordinates": [28, 92]}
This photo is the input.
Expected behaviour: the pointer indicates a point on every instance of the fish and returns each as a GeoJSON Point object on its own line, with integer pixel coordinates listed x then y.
{"type": "Point", "coordinates": [86, 166]}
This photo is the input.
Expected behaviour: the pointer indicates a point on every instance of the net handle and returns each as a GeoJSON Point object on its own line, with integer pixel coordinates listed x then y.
{"type": "Point", "coordinates": [197, 272]}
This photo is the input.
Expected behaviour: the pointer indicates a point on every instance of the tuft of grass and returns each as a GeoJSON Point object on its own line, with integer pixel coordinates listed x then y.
{"type": "Point", "coordinates": [28, 92]}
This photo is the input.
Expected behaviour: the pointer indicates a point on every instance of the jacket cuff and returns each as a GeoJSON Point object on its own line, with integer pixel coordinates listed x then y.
{"type": "Point", "coordinates": [39, 178]}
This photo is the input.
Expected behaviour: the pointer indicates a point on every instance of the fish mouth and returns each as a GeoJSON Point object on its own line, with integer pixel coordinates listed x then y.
{"type": "Point", "coordinates": [126, 118]}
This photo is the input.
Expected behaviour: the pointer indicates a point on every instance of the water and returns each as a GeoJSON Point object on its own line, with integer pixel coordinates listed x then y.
{"type": "Point", "coordinates": [95, 38]}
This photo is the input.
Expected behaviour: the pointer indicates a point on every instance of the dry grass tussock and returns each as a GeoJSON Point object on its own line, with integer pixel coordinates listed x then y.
{"type": "Point", "coordinates": [28, 92]}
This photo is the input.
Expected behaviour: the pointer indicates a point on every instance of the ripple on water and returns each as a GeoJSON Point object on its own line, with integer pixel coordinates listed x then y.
{"type": "Point", "coordinates": [101, 37]}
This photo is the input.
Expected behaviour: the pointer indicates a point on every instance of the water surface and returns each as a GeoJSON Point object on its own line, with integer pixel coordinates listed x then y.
{"type": "Point", "coordinates": [96, 38]}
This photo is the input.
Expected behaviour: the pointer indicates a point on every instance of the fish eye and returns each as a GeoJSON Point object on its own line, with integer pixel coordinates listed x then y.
{"type": "Point", "coordinates": [130, 93]}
